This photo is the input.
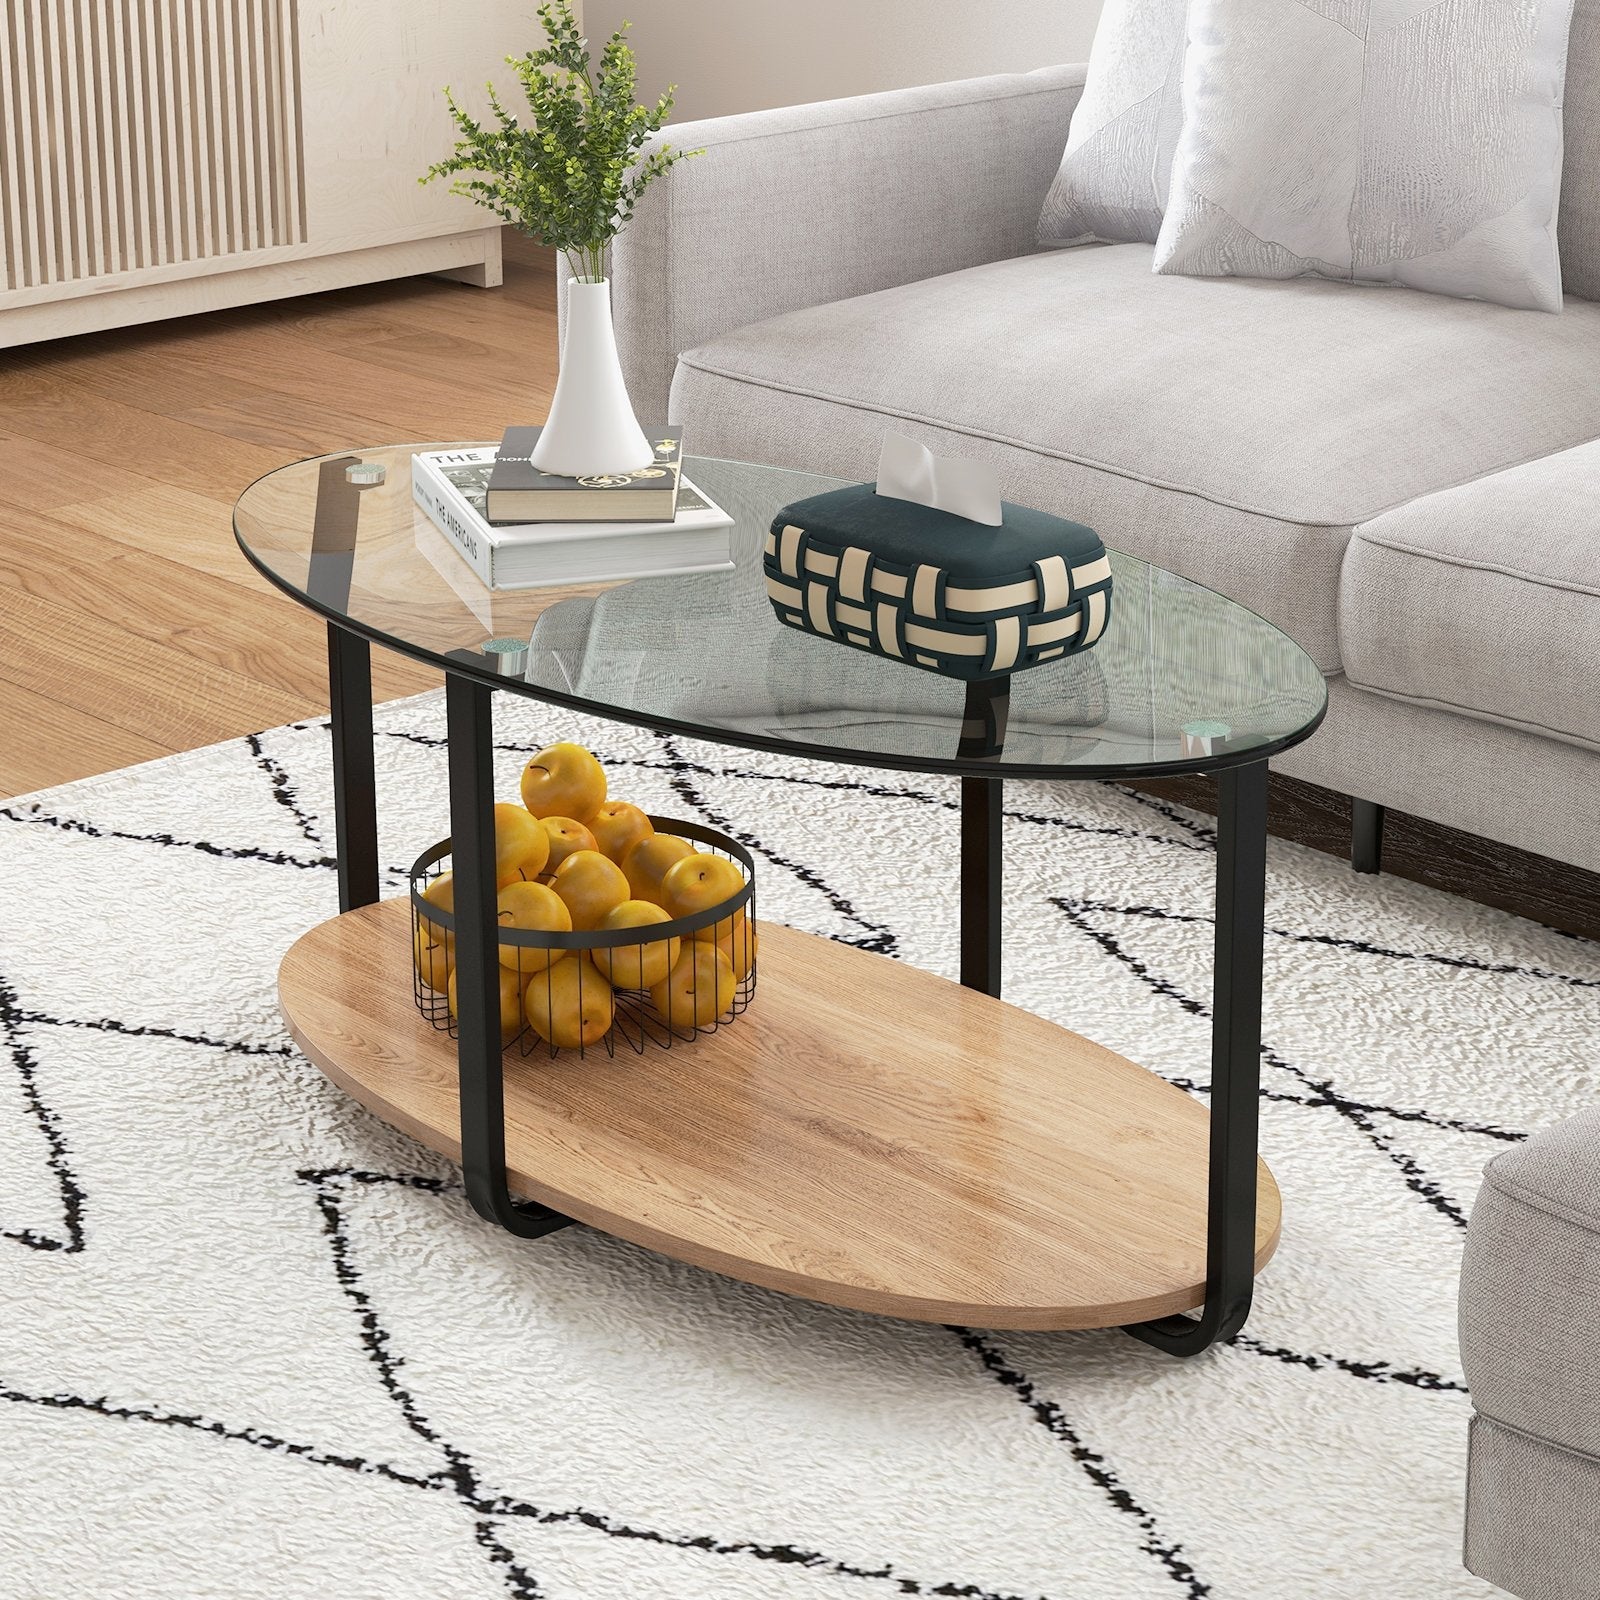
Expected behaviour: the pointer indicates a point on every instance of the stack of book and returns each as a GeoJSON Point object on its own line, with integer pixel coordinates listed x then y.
{"type": "Point", "coordinates": [520, 528]}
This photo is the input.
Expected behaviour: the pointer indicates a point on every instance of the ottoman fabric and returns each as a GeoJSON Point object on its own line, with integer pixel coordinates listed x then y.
{"type": "Point", "coordinates": [1530, 1347]}
{"type": "Point", "coordinates": [1531, 1525]}
{"type": "Point", "coordinates": [1530, 1287]}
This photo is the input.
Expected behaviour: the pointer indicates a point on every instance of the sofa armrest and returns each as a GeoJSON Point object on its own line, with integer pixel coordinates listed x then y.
{"type": "Point", "coordinates": [808, 204]}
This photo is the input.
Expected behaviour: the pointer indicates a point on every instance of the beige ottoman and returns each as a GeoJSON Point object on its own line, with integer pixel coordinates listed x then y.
{"type": "Point", "coordinates": [1530, 1342]}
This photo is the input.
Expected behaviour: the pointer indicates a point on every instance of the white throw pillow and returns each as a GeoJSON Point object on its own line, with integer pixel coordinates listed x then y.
{"type": "Point", "coordinates": [1413, 142]}
{"type": "Point", "coordinates": [1112, 183]}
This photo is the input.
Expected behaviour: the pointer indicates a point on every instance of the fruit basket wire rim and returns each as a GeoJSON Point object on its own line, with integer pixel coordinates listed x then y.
{"type": "Point", "coordinates": [539, 939]}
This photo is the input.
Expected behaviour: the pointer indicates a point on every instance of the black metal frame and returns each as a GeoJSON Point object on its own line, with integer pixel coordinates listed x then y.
{"type": "Point", "coordinates": [470, 729]}
{"type": "Point", "coordinates": [1236, 1012]}
{"type": "Point", "coordinates": [355, 785]}
{"type": "Point", "coordinates": [335, 521]}
{"type": "Point", "coordinates": [1235, 1071]}
{"type": "Point", "coordinates": [982, 877]}
{"type": "Point", "coordinates": [1235, 1031]}
{"type": "Point", "coordinates": [983, 737]}
{"type": "Point", "coordinates": [1366, 836]}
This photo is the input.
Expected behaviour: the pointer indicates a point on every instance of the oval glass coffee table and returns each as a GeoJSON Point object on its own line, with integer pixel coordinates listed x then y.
{"type": "Point", "coordinates": [868, 1135]}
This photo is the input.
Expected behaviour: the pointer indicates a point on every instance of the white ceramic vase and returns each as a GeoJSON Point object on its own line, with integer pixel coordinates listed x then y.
{"type": "Point", "coordinates": [591, 430]}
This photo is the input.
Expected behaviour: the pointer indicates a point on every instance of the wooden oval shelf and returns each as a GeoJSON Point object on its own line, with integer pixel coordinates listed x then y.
{"type": "Point", "coordinates": [867, 1134]}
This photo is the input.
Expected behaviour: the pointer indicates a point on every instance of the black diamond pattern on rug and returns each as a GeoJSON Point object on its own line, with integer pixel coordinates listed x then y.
{"type": "Point", "coordinates": [270, 1334]}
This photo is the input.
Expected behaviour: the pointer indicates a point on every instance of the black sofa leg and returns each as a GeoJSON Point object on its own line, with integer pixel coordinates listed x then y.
{"type": "Point", "coordinates": [1366, 836]}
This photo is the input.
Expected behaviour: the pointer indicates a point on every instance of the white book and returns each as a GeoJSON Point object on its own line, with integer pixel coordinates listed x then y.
{"type": "Point", "coordinates": [449, 486]}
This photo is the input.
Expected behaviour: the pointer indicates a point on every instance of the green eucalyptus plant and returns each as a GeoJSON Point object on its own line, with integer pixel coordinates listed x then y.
{"type": "Point", "coordinates": [571, 177]}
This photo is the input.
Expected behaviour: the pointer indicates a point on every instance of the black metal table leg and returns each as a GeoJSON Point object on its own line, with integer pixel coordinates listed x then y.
{"type": "Point", "coordinates": [981, 879]}
{"type": "Point", "coordinates": [983, 738]}
{"type": "Point", "coordinates": [1366, 836]}
{"type": "Point", "coordinates": [477, 977]}
{"type": "Point", "coordinates": [331, 567]}
{"type": "Point", "coordinates": [1235, 1071]}
{"type": "Point", "coordinates": [355, 790]}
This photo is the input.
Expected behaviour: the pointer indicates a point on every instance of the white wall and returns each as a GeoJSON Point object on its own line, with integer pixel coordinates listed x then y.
{"type": "Point", "coordinates": [742, 55]}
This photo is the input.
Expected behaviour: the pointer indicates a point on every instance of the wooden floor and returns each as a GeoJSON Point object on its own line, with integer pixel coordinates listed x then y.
{"type": "Point", "coordinates": [130, 625]}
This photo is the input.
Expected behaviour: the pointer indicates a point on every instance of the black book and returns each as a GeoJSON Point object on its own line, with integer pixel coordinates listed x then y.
{"type": "Point", "coordinates": [519, 492]}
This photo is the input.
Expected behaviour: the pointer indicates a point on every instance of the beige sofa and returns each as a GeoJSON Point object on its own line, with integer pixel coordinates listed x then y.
{"type": "Point", "coordinates": [1405, 483]}
{"type": "Point", "coordinates": [1409, 485]}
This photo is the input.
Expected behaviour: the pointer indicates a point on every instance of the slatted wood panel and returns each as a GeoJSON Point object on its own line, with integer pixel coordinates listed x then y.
{"type": "Point", "coordinates": [146, 133]}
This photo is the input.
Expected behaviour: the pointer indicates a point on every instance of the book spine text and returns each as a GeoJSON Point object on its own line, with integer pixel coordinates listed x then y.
{"type": "Point", "coordinates": [444, 517]}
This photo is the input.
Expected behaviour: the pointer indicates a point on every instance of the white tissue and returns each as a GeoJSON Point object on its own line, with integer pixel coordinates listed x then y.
{"type": "Point", "coordinates": [910, 471]}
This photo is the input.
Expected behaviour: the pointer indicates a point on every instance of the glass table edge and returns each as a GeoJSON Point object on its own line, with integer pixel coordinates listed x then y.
{"type": "Point", "coordinates": [952, 766]}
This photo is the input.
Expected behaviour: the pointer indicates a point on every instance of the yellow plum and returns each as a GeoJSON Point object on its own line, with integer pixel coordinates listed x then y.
{"type": "Point", "coordinates": [534, 907]}
{"type": "Point", "coordinates": [647, 862]}
{"type": "Point", "coordinates": [563, 780]}
{"type": "Point", "coordinates": [636, 966]}
{"type": "Point", "coordinates": [571, 1005]}
{"type": "Point", "coordinates": [699, 989]}
{"type": "Point", "coordinates": [591, 886]}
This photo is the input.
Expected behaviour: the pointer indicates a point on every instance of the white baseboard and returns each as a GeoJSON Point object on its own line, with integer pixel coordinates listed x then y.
{"type": "Point", "coordinates": [472, 257]}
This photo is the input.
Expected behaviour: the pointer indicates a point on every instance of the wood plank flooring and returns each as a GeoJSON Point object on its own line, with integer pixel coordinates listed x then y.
{"type": "Point", "coordinates": [130, 625]}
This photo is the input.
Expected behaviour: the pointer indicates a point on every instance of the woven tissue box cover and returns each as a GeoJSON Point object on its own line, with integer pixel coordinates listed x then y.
{"type": "Point", "coordinates": [935, 590]}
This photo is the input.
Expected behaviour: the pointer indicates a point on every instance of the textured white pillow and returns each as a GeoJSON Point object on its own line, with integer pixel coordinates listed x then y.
{"type": "Point", "coordinates": [1413, 142]}
{"type": "Point", "coordinates": [1112, 183]}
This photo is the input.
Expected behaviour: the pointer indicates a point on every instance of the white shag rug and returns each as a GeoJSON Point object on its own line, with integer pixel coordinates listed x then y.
{"type": "Point", "coordinates": [253, 1343]}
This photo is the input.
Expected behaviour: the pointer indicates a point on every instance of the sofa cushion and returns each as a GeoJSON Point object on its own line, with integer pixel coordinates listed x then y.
{"type": "Point", "coordinates": [1234, 430]}
{"type": "Point", "coordinates": [1485, 598]}
{"type": "Point", "coordinates": [1129, 117]}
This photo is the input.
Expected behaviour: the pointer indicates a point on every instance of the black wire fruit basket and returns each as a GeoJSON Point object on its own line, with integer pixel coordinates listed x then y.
{"type": "Point", "coordinates": [652, 984]}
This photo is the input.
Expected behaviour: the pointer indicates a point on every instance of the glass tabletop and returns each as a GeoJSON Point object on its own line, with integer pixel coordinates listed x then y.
{"type": "Point", "coordinates": [1183, 679]}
